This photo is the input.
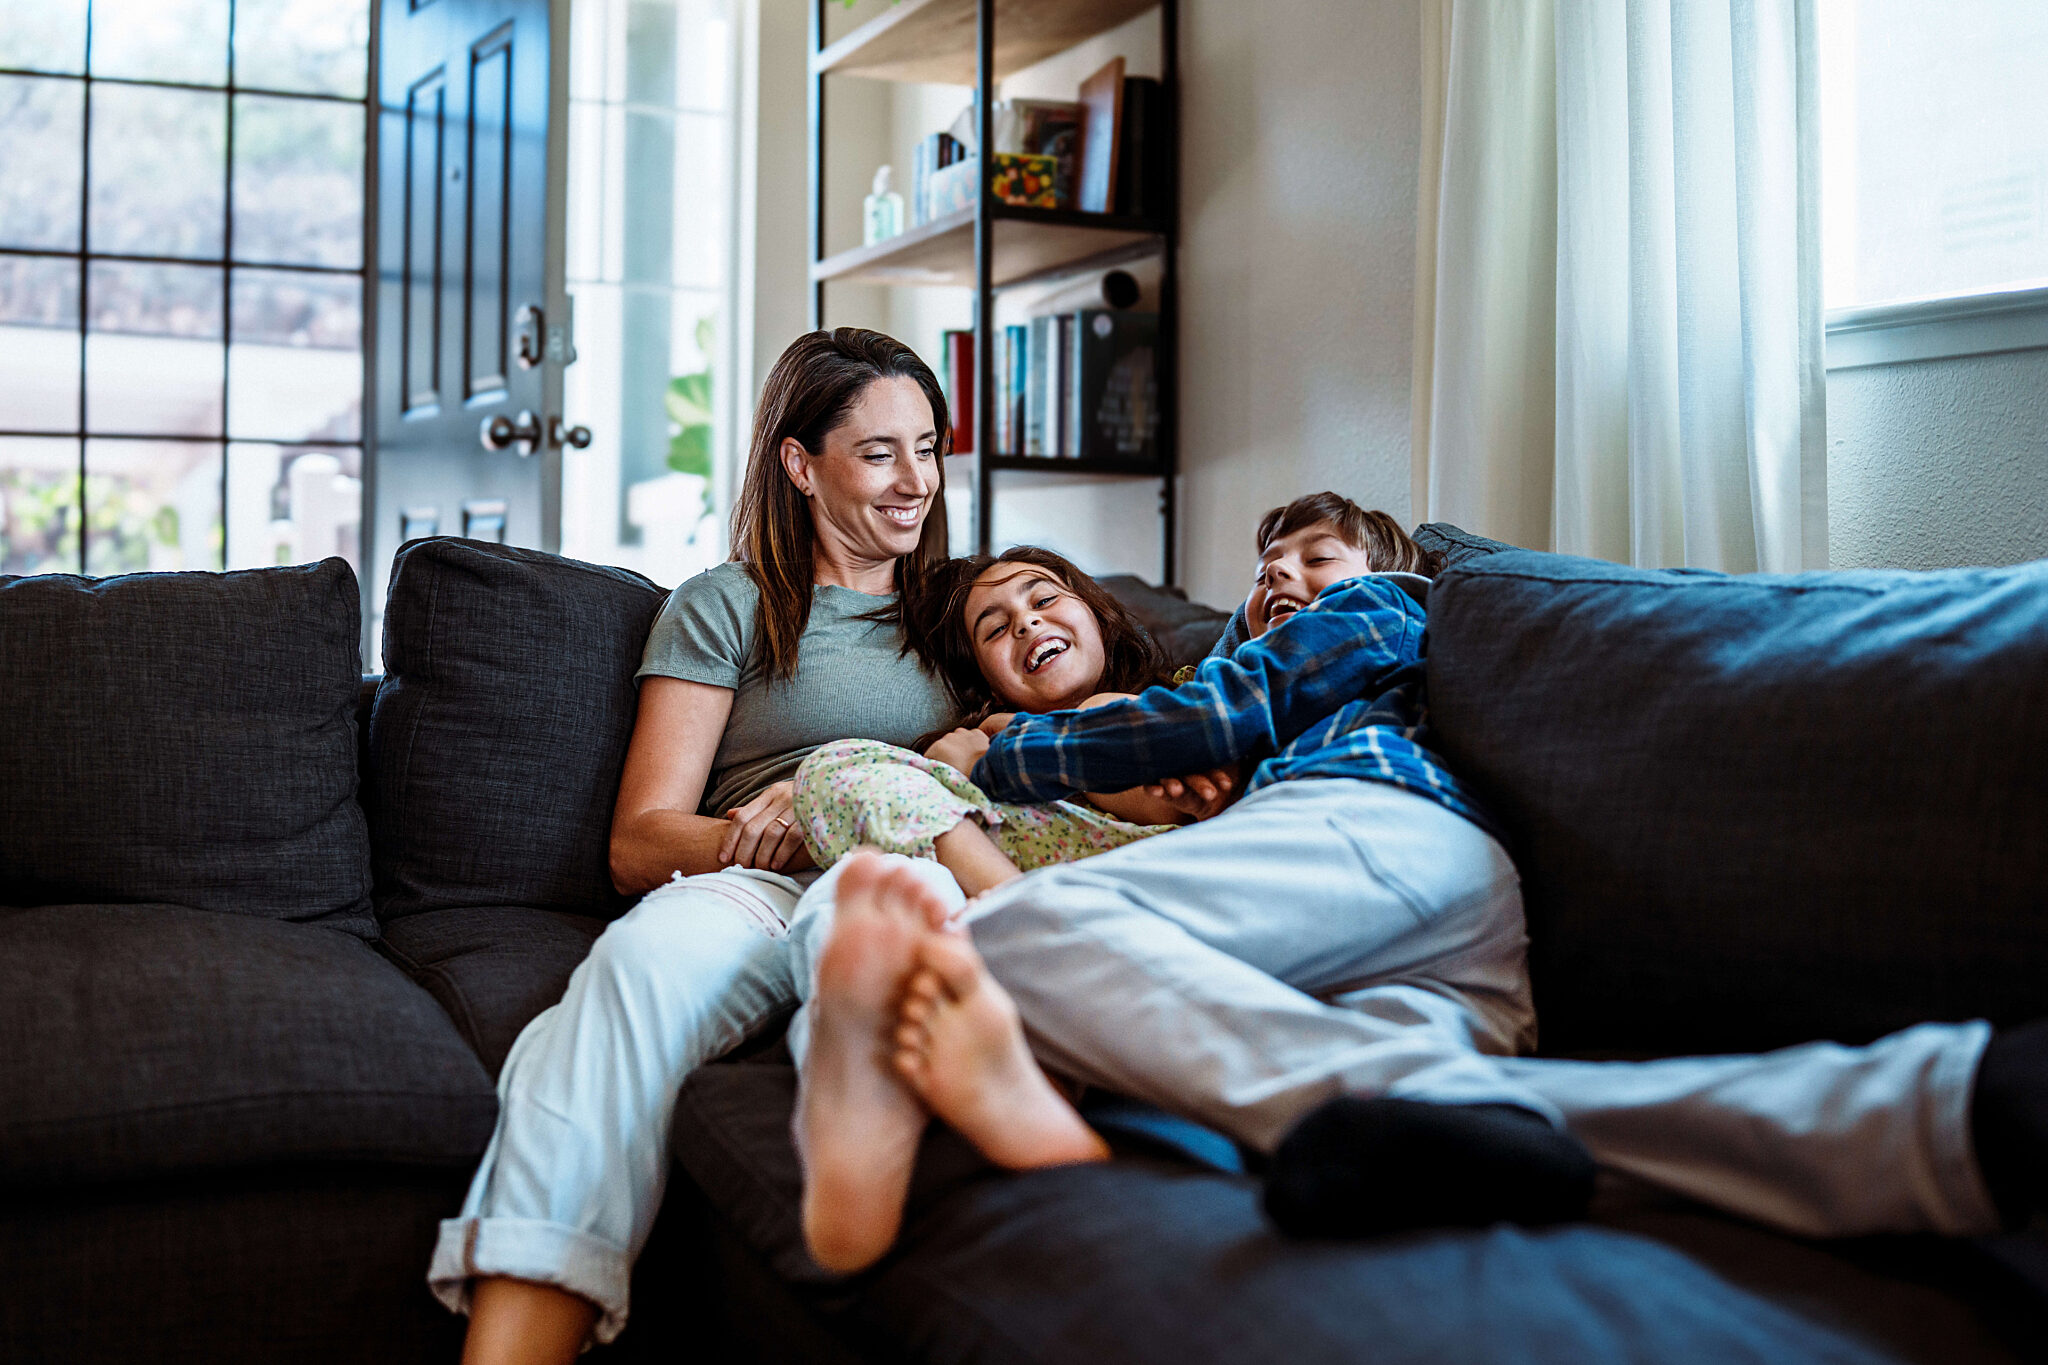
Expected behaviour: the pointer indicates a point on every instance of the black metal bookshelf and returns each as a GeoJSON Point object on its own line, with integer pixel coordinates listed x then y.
{"type": "Point", "coordinates": [996, 246]}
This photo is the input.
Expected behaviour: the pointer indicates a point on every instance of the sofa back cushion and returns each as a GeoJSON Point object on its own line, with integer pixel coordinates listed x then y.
{"type": "Point", "coordinates": [501, 726]}
{"type": "Point", "coordinates": [185, 739]}
{"type": "Point", "coordinates": [1754, 810]}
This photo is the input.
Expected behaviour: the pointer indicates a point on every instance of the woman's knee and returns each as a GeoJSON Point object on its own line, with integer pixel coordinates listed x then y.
{"type": "Point", "coordinates": [684, 940]}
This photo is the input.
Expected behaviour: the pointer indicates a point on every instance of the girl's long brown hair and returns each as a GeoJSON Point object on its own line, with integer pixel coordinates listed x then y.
{"type": "Point", "coordinates": [813, 386]}
{"type": "Point", "coordinates": [1131, 661]}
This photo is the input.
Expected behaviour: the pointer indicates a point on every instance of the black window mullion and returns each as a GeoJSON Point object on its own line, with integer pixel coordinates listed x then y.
{"type": "Point", "coordinates": [84, 278]}
{"type": "Point", "coordinates": [138, 258]}
{"type": "Point", "coordinates": [227, 286]}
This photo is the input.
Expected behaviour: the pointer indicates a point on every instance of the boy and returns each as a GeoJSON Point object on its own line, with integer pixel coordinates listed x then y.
{"type": "Point", "coordinates": [1321, 539]}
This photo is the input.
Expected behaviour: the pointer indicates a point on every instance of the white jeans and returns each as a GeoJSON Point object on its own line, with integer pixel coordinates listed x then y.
{"type": "Point", "coordinates": [1338, 936]}
{"type": "Point", "coordinates": [568, 1189]}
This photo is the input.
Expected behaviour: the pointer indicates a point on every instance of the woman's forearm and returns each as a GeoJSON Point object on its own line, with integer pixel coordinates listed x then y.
{"type": "Point", "coordinates": [651, 846]}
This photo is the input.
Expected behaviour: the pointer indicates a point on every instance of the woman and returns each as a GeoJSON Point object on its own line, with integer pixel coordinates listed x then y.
{"type": "Point", "coordinates": [797, 642]}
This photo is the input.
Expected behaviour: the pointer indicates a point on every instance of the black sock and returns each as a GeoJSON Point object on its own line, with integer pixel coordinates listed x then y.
{"type": "Point", "coordinates": [1358, 1166]}
{"type": "Point", "coordinates": [2009, 1120]}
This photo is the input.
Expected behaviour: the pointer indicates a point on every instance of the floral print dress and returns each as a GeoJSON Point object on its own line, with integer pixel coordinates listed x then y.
{"type": "Point", "coordinates": [861, 791]}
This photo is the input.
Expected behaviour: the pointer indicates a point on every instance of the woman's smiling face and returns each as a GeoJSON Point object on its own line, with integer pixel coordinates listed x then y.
{"type": "Point", "coordinates": [1296, 567]}
{"type": "Point", "coordinates": [874, 481]}
{"type": "Point", "coordinates": [1039, 646]}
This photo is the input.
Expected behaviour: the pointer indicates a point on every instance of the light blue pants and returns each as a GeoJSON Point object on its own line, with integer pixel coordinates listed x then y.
{"type": "Point", "coordinates": [1334, 936]}
{"type": "Point", "coordinates": [568, 1189]}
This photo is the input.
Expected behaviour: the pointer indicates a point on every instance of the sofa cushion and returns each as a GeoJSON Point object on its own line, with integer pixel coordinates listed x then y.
{"type": "Point", "coordinates": [1184, 630]}
{"type": "Point", "coordinates": [1456, 544]}
{"type": "Point", "coordinates": [492, 968]}
{"type": "Point", "coordinates": [184, 738]}
{"type": "Point", "coordinates": [1754, 810]}
{"type": "Point", "coordinates": [137, 1040]}
{"type": "Point", "coordinates": [501, 726]}
{"type": "Point", "coordinates": [1143, 1260]}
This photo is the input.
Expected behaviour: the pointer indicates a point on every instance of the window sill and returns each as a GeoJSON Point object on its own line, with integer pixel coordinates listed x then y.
{"type": "Point", "coordinates": [1930, 329]}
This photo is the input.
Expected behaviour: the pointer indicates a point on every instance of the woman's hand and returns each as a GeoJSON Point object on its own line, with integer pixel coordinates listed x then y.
{"type": "Point", "coordinates": [959, 750]}
{"type": "Point", "coordinates": [997, 723]}
{"type": "Point", "coordinates": [1199, 795]}
{"type": "Point", "coordinates": [763, 833]}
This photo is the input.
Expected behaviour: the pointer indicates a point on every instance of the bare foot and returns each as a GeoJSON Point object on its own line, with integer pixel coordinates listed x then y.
{"type": "Point", "coordinates": [960, 1046]}
{"type": "Point", "coordinates": [857, 1125]}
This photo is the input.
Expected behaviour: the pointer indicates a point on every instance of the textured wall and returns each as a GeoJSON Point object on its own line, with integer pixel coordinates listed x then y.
{"type": "Point", "coordinates": [1302, 125]}
{"type": "Point", "coordinates": [1939, 463]}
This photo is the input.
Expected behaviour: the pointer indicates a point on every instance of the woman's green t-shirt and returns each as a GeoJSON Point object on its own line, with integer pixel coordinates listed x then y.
{"type": "Point", "coordinates": [852, 679]}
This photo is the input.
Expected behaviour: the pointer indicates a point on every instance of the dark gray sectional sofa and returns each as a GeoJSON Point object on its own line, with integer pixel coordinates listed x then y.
{"type": "Point", "coordinates": [266, 934]}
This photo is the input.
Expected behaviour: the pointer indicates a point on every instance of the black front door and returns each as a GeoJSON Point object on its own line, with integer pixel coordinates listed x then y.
{"type": "Point", "coordinates": [468, 364]}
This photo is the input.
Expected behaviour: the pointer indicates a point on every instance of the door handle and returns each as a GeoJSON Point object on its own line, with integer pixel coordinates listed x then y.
{"type": "Point", "coordinates": [530, 325]}
{"type": "Point", "coordinates": [521, 433]}
{"type": "Point", "coordinates": [563, 435]}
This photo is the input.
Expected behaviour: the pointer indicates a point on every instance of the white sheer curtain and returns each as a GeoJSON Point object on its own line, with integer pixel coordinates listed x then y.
{"type": "Point", "coordinates": [1623, 338]}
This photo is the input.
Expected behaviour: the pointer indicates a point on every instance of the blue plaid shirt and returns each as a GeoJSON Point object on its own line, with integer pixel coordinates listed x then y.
{"type": "Point", "coordinates": [1334, 690]}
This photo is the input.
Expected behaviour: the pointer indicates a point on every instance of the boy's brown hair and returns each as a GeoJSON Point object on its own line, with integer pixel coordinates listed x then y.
{"type": "Point", "coordinates": [1387, 547]}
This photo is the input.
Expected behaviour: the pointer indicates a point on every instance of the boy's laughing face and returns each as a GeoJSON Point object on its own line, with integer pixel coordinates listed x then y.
{"type": "Point", "coordinates": [1296, 567]}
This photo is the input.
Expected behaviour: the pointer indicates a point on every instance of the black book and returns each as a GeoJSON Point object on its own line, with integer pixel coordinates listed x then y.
{"type": "Point", "coordinates": [1116, 385]}
{"type": "Point", "coordinates": [1145, 150]}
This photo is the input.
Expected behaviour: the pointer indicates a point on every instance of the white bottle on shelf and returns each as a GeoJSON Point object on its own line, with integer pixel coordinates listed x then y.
{"type": "Point", "coordinates": [882, 216]}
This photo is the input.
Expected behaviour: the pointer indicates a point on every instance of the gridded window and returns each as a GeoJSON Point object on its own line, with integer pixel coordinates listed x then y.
{"type": "Point", "coordinates": [181, 283]}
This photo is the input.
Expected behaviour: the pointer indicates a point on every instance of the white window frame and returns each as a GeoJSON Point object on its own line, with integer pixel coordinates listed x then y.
{"type": "Point", "coordinates": [1934, 329]}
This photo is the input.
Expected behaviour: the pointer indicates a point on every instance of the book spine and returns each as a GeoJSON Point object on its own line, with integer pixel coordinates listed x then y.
{"type": "Point", "coordinates": [1037, 363]}
{"type": "Point", "coordinates": [1077, 409]}
{"type": "Point", "coordinates": [1013, 410]}
{"type": "Point", "coordinates": [960, 389]}
{"type": "Point", "coordinates": [1000, 372]}
{"type": "Point", "coordinates": [920, 177]}
{"type": "Point", "coordinates": [1063, 367]}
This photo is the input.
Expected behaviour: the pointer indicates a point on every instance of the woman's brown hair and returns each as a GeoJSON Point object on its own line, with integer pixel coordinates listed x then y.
{"type": "Point", "coordinates": [1131, 661]}
{"type": "Point", "coordinates": [1388, 548]}
{"type": "Point", "coordinates": [813, 386]}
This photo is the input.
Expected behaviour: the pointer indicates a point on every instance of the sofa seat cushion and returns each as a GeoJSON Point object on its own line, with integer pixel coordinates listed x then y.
{"type": "Point", "coordinates": [1143, 1260]}
{"type": "Point", "coordinates": [501, 726]}
{"type": "Point", "coordinates": [140, 1040]}
{"type": "Point", "coordinates": [492, 968]}
{"type": "Point", "coordinates": [187, 739]}
{"type": "Point", "coordinates": [1755, 810]}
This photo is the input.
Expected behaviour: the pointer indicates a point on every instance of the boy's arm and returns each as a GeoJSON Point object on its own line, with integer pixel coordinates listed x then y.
{"type": "Point", "coordinates": [1346, 644]}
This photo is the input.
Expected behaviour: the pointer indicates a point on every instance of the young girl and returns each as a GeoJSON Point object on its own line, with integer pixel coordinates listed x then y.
{"type": "Point", "coordinates": [1024, 631]}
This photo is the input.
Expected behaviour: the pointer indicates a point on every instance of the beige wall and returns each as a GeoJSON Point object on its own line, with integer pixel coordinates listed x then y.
{"type": "Point", "coordinates": [1301, 128]}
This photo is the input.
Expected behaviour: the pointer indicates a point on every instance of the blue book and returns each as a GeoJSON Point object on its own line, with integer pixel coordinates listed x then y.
{"type": "Point", "coordinates": [1039, 393]}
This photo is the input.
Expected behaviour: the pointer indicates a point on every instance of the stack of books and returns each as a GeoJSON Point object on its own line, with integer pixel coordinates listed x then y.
{"type": "Point", "coordinates": [1079, 386]}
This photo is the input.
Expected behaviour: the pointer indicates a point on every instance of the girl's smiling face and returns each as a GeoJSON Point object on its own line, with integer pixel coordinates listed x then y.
{"type": "Point", "coordinates": [1039, 646]}
{"type": "Point", "coordinates": [1296, 567]}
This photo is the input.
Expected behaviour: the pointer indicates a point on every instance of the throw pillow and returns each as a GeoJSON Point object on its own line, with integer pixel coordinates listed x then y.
{"type": "Point", "coordinates": [185, 739]}
{"type": "Point", "coordinates": [501, 726]}
{"type": "Point", "coordinates": [1751, 810]}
